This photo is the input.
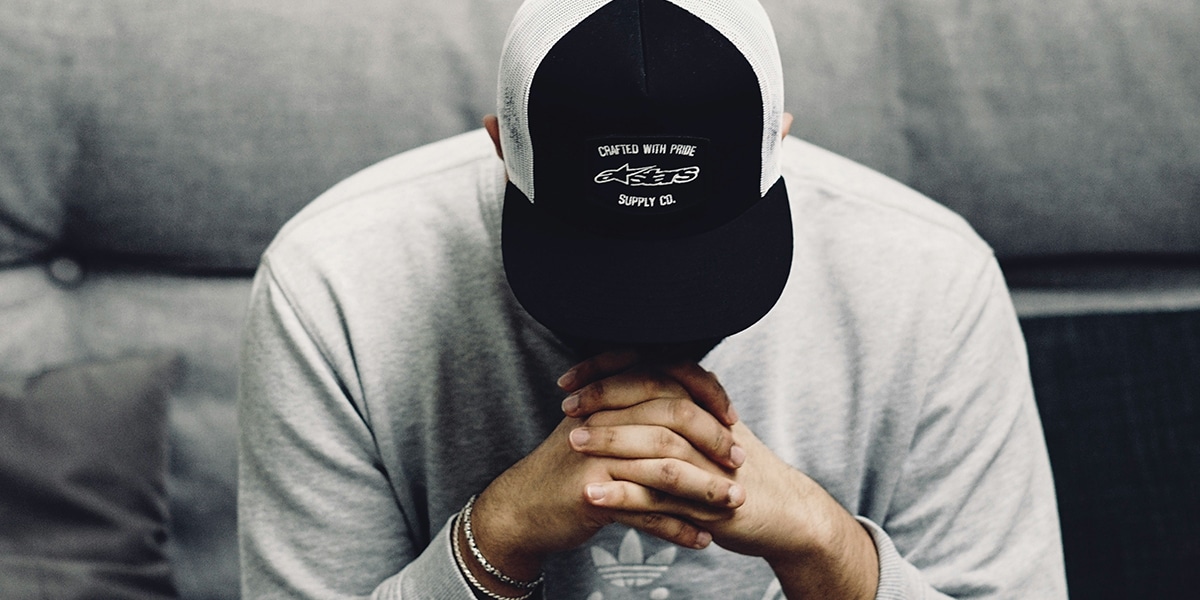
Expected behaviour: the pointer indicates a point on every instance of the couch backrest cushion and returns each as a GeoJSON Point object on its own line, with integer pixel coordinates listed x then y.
{"type": "Point", "coordinates": [1056, 128]}
{"type": "Point", "coordinates": [184, 133]}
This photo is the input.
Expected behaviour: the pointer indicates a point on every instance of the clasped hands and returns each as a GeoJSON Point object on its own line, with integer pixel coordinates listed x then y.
{"type": "Point", "coordinates": [655, 447]}
{"type": "Point", "coordinates": [659, 447]}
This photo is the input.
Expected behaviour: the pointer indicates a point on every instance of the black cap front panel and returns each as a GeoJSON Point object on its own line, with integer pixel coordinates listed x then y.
{"type": "Point", "coordinates": [645, 122]}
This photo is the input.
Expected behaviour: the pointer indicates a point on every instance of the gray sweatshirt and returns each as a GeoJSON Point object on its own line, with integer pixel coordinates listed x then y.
{"type": "Point", "coordinates": [389, 374]}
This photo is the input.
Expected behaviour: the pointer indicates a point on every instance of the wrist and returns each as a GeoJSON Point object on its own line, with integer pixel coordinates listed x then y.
{"type": "Point", "coordinates": [484, 585]}
{"type": "Point", "coordinates": [833, 555]}
{"type": "Point", "coordinates": [500, 537]}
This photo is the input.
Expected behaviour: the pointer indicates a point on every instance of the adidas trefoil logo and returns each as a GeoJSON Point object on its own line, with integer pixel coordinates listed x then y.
{"type": "Point", "coordinates": [630, 568]}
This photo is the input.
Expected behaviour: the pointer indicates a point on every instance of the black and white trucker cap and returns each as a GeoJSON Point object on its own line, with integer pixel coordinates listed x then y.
{"type": "Point", "coordinates": [642, 144]}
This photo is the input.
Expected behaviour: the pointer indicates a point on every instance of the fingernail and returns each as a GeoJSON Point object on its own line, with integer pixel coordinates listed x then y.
{"type": "Point", "coordinates": [703, 539]}
{"type": "Point", "coordinates": [571, 404]}
{"type": "Point", "coordinates": [595, 492]}
{"type": "Point", "coordinates": [580, 437]}
{"type": "Point", "coordinates": [733, 415]}
{"type": "Point", "coordinates": [736, 495]}
{"type": "Point", "coordinates": [737, 456]}
{"type": "Point", "coordinates": [567, 379]}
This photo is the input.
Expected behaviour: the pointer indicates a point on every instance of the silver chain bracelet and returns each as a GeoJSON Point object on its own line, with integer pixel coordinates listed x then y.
{"type": "Point", "coordinates": [466, 570]}
{"type": "Point", "coordinates": [483, 562]}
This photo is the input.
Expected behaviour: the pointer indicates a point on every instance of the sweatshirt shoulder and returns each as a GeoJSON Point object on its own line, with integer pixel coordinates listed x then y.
{"type": "Point", "coordinates": [452, 182]}
{"type": "Point", "coordinates": [826, 186]}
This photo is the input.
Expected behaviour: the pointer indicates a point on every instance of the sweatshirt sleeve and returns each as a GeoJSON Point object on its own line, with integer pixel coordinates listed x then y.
{"type": "Point", "coordinates": [974, 514]}
{"type": "Point", "coordinates": [317, 517]}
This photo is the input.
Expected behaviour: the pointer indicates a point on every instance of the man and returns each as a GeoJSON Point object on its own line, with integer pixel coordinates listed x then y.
{"type": "Point", "coordinates": [863, 424]}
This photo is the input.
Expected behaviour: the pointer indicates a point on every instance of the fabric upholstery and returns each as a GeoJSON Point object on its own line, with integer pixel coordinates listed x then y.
{"type": "Point", "coordinates": [183, 134]}
{"type": "Point", "coordinates": [106, 315]}
{"type": "Point", "coordinates": [1067, 127]}
{"type": "Point", "coordinates": [1120, 402]}
{"type": "Point", "coordinates": [83, 499]}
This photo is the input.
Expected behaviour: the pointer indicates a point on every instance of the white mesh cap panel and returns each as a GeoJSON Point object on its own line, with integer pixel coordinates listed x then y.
{"type": "Point", "coordinates": [537, 26]}
{"type": "Point", "coordinates": [540, 24]}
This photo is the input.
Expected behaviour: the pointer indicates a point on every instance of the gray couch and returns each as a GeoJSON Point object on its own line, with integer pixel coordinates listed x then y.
{"type": "Point", "coordinates": [150, 150]}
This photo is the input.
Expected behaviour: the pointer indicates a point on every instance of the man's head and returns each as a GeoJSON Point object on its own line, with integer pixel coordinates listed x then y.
{"type": "Point", "coordinates": [642, 143]}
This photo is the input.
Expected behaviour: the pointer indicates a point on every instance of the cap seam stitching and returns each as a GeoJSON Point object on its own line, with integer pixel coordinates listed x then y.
{"type": "Point", "coordinates": [642, 40]}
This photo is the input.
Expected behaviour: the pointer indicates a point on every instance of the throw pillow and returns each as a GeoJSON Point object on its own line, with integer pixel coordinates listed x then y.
{"type": "Point", "coordinates": [83, 460]}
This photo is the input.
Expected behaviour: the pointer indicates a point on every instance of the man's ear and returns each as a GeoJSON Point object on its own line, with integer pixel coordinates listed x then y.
{"type": "Point", "coordinates": [787, 124]}
{"type": "Point", "coordinates": [492, 125]}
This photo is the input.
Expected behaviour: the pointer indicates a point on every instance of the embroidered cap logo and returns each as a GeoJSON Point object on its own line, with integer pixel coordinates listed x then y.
{"type": "Point", "coordinates": [647, 176]}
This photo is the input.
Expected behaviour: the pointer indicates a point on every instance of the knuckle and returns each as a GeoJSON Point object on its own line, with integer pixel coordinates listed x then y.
{"type": "Point", "coordinates": [666, 387]}
{"type": "Point", "coordinates": [599, 387]}
{"type": "Point", "coordinates": [653, 521]}
{"type": "Point", "coordinates": [592, 395]}
{"type": "Point", "coordinates": [610, 437]}
{"type": "Point", "coordinates": [723, 442]}
{"type": "Point", "coordinates": [665, 442]}
{"type": "Point", "coordinates": [669, 472]}
{"type": "Point", "coordinates": [684, 532]}
{"type": "Point", "coordinates": [713, 386]}
{"type": "Point", "coordinates": [715, 383]}
{"type": "Point", "coordinates": [682, 411]}
{"type": "Point", "coordinates": [717, 491]}
{"type": "Point", "coordinates": [650, 385]}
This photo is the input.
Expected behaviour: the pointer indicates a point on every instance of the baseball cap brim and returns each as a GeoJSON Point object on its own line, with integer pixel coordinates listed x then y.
{"type": "Point", "coordinates": [645, 291]}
